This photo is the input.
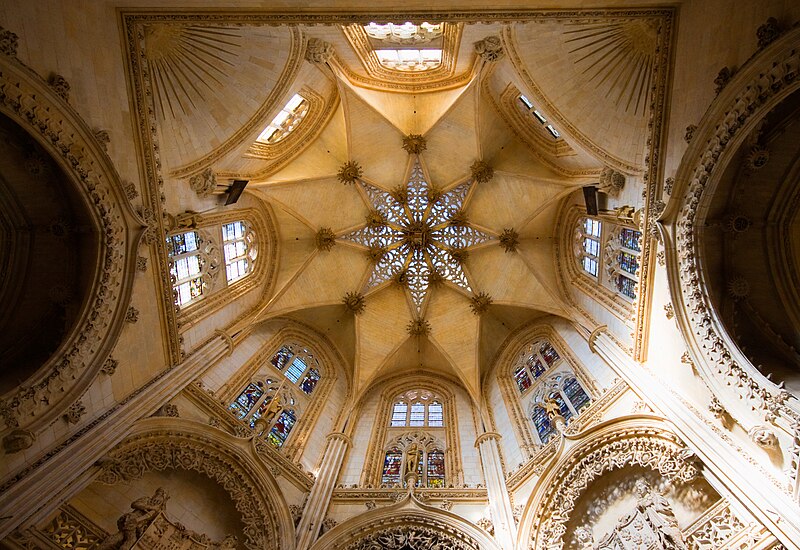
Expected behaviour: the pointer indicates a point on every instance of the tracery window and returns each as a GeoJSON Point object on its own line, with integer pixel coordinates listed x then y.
{"type": "Point", "coordinates": [417, 409]}
{"type": "Point", "coordinates": [191, 266]}
{"type": "Point", "coordinates": [538, 116]}
{"type": "Point", "coordinates": [609, 253]}
{"type": "Point", "coordinates": [285, 121]}
{"type": "Point", "coordinates": [410, 60]}
{"type": "Point", "coordinates": [276, 399]}
{"type": "Point", "coordinates": [405, 54]}
{"type": "Point", "coordinates": [430, 467]}
{"type": "Point", "coordinates": [406, 33]}
{"type": "Point", "coordinates": [238, 244]}
{"type": "Point", "coordinates": [565, 390]}
{"type": "Point", "coordinates": [533, 362]}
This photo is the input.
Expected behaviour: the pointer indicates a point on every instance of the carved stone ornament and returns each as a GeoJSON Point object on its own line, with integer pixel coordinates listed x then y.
{"type": "Point", "coordinates": [669, 311]}
{"type": "Point", "coordinates": [318, 51]}
{"type": "Point", "coordinates": [39, 109]}
{"type": "Point", "coordinates": [130, 190]}
{"type": "Point", "coordinates": [738, 288]}
{"type": "Point", "coordinates": [481, 171]}
{"type": "Point", "coordinates": [18, 440]}
{"type": "Point", "coordinates": [690, 130]}
{"type": "Point", "coordinates": [132, 315]}
{"type": "Point", "coordinates": [8, 42]}
{"type": "Point", "coordinates": [59, 85]}
{"type": "Point", "coordinates": [509, 240]}
{"type": "Point", "coordinates": [110, 366]}
{"type": "Point", "coordinates": [669, 183]}
{"type": "Point", "coordinates": [133, 524]}
{"type": "Point", "coordinates": [419, 327]}
{"type": "Point", "coordinates": [768, 32]}
{"type": "Point", "coordinates": [651, 448]}
{"type": "Point", "coordinates": [756, 159]}
{"type": "Point", "coordinates": [327, 525]}
{"type": "Point", "coordinates": [75, 412]}
{"type": "Point", "coordinates": [350, 172]}
{"type": "Point", "coordinates": [723, 77]}
{"type": "Point", "coordinates": [176, 450]}
{"type": "Point", "coordinates": [355, 302]}
{"type": "Point", "coordinates": [480, 303]}
{"type": "Point", "coordinates": [169, 410]}
{"type": "Point", "coordinates": [414, 537]}
{"type": "Point", "coordinates": [103, 138]}
{"type": "Point", "coordinates": [203, 183]}
{"type": "Point", "coordinates": [297, 513]}
{"type": "Point", "coordinates": [325, 239]}
{"type": "Point", "coordinates": [141, 264]}
{"type": "Point", "coordinates": [490, 48]}
{"type": "Point", "coordinates": [486, 524]}
{"type": "Point", "coordinates": [414, 144]}
{"type": "Point", "coordinates": [661, 258]}
{"type": "Point", "coordinates": [611, 182]}
{"type": "Point", "coordinates": [763, 437]}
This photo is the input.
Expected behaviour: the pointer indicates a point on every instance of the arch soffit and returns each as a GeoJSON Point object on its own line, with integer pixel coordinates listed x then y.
{"type": "Point", "coordinates": [455, 530]}
{"type": "Point", "coordinates": [765, 80]}
{"type": "Point", "coordinates": [48, 118]}
{"type": "Point", "coordinates": [163, 443]}
{"type": "Point", "coordinates": [644, 440]}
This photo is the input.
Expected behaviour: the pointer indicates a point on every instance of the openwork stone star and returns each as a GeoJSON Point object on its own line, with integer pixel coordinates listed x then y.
{"type": "Point", "coordinates": [423, 234]}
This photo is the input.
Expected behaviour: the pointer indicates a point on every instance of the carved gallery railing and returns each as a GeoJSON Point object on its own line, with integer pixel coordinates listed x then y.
{"type": "Point", "coordinates": [67, 529]}
{"type": "Point", "coordinates": [718, 528]}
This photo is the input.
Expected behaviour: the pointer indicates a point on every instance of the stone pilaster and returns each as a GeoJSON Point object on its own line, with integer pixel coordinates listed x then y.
{"type": "Point", "coordinates": [320, 496]}
{"type": "Point", "coordinates": [505, 529]}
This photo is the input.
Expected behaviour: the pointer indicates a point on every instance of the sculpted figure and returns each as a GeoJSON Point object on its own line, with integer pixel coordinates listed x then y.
{"type": "Point", "coordinates": [412, 459]}
{"type": "Point", "coordinates": [551, 408]}
{"type": "Point", "coordinates": [133, 524]}
{"type": "Point", "coordinates": [658, 513]}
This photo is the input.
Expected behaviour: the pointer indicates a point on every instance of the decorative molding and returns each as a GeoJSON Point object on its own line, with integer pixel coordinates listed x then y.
{"type": "Point", "coordinates": [489, 49]}
{"type": "Point", "coordinates": [318, 51]}
{"type": "Point", "coordinates": [43, 112]}
{"type": "Point", "coordinates": [9, 42]}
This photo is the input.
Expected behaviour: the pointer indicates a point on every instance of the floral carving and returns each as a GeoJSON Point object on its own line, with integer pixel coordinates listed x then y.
{"type": "Point", "coordinates": [203, 183]}
{"type": "Point", "coordinates": [768, 33]}
{"type": "Point", "coordinates": [723, 77]}
{"type": "Point", "coordinates": [509, 240]}
{"type": "Point", "coordinates": [481, 171]}
{"type": "Point", "coordinates": [130, 190]}
{"type": "Point", "coordinates": [419, 327]}
{"type": "Point", "coordinates": [59, 85]}
{"type": "Point", "coordinates": [355, 302]}
{"type": "Point", "coordinates": [480, 303]}
{"type": "Point", "coordinates": [763, 437]}
{"type": "Point", "coordinates": [132, 315]}
{"type": "Point", "coordinates": [490, 48]}
{"type": "Point", "coordinates": [350, 172]}
{"type": "Point", "coordinates": [690, 130]}
{"type": "Point", "coordinates": [414, 537]}
{"type": "Point", "coordinates": [8, 42]}
{"type": "Point", "coordinates": [103, 138]}
{"type": "Point", "coordinates": [611, 182]}
{"type": "Point", "coordinates": [75, 412]}
{"type": "Point", "coordinates": [110, 366]}
{"type": "Point", "coordinates": [18, 440]}
{"type": "Point", "coordinates": [318, 51]}
{"type": "Point", "coordinates": [141, 264]}
{"type": "Point", "coordinates": [325, 239]}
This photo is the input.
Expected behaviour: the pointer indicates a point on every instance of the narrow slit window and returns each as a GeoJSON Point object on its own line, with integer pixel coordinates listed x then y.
{"type": "Point", "coordinates": [186, 267]}
{"type": "Point", "coordinates": [436, 468]}
{"type": "Point", "coordinates": [391, 467]}
{"type": "Point", "coordinates": [280, 431]}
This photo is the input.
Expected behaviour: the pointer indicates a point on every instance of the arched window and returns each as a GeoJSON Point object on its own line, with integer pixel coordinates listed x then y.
{"type": "Point", "coordinates": [285, 121]}
{"type": "Point", "coordinates": [396, 45]}
{"type": "Point", "coordinates": [194, 258]}
{"type": "Point", "coordinates": [538, 116]}
{"type": "Point", "coordinates": [240, 251]}
{"type": "Point", "coordinates": [533, 362]}
{"type": "Point", "coordinates": [431, 465]}
{"type": "Point", "coordinates": [279, 401]}
{"type": "Point", "coordinates": [417, 409]}
{"type": "Point", "coordinates": [563, 389]}
{"type": "Point", "coordinates": [609, 254]}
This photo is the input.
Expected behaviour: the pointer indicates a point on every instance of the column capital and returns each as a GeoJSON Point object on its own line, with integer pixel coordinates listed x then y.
{"type": "Point", "coordinates": [339, 436]}
{"type": "Point", "coordinates": [487, 436]}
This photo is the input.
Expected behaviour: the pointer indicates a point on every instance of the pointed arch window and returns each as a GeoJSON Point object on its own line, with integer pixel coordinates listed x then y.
{"type": "Point", "coordinates": [285, 121]}
{"type": "Point", "coordinates": [240, 250]}
{"type": "Point", "coordinates": [417, 409]}
{"type": "Point", "coordinates": [566, 391]}
{"type": "Point", "coordinates": [430, 468]}
{"type": "Point", "coordinates": [188, 266]}
{"type": "Point", "coordinates": [279, 401]}
{"type": "Point", "coordinates": [609, 254]}
{"type": "Point", "coordinates": [535, 359]}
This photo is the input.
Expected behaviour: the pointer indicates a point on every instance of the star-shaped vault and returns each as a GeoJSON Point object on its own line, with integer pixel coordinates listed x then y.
{"type": "Point", "coordinates": [417, 235]}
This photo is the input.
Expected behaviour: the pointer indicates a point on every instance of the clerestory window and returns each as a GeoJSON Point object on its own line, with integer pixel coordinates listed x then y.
{"type": "Point", "coordinates": [538, 116]}
{"type": "Point", "coordinates": [430, 467]}
{"type": "Point", "coordinates": [609, 253]}
{"type": "Point", "coordinates": [563, 390]}
{"type": "Point", "coordinates": [286, 121]}
{"type": "Point", "coordinates": [187, 266]}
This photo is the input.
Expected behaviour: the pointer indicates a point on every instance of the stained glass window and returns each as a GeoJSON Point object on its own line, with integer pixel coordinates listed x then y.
{"type": "Point", "coordinates": [626, 286]}
{"type": "Point", "coordinates": [543, 425]}
{"type": "Point", "coordinates": [575, 393]}
{"type": "Point", "coordinates": [391, 466]}
{"type": "Point", "coordinates": [399, 413]}
{"type": "Point", "coordinates": [186, 268]}
{"type": "Point", "coordinates": [435, 416]}
{"type": "Point", "coordinates": [310, 381]}
{"type": "Point", "coordinates": [417, 414]}
{"type": "Point", "coordinates": [436, 468]}
{"type": "Point", "coordinates": [549, 353]}
{"type": "Point", "coordinates": [280, 359]}
{"type": "Point", "coordinates": [261, 410]}
{"type": "Point", "coordinates": [628, 262]}
{"type": "Point", "coordinates": [537, 369]}
{"type": "Point", "coordinates": [251, 394]}
{"type": "Point", "coordinates": [629, 238]}
{"type": "Point", "coordinates": [295, 370]}
{"type": "Point", "coordinates": [235, 246]}
{"type": "Point", "coordinates": [286, 121]}
{"type": "Point", "coordinates": [280, 431]}
{"type": "Point", "coordinates": [562, 405]}
{"type": "Point", "coordinates": [522, 379]}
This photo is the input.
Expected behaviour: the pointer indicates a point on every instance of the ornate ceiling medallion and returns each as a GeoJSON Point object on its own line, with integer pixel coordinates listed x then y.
{"type": "Point", "coordinates": [422, 237]}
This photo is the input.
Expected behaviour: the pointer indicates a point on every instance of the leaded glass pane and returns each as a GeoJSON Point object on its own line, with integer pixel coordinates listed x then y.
{"type": "Point", "coordinates": [628, 262]}
{"type": "Point", "coordinates": [246, 400]}
{"type": "Point", "coordinates": [522, 379]}
{"type": "Point", "coordinates": [575, 393]}
{"type": "Point", "coordinates": [591, 246]}
{"type": "Point", "coordinates": [310, 381]}
{"type": "Point", "coordinates": [436, 468]}
{"type": "Point", "coordinates": [295, 370]}
{"type": "Point", "coordinates": [399, 413]}
{"type": "Point", "coordinates": [626, 286]}
{"type": "Point", "coordinates": [260, 411]}
{"type": "Point", "coordinates": [592, 227]}
{"type": "Point", "coordinates": [549, 353]}
{"type": "Point", "coordinates": [280, 359]}
{"type": "Point", "coordinates": [542, 422]}
{"type": "Point", "coordinates": [629, 238]}
{"type": "Point", "coordinates": [391, 467]}
{"type": "Point", "coordinates": [537, 369]}
{"type": "Point", "coordinates": [435, 416]}
{"type": "Point", "coordinates": [417, 415]}
{"type": "Point", "coordinates": [280, 431]}
{"type": "Point", "coordinates": [590, 265]}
